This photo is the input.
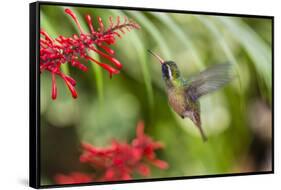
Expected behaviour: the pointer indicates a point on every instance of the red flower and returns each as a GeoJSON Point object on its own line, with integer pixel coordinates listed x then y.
{"type": "Point", "coordinates": [68, 50]}
{"type": "Point", "coordinates": [121, 160]}
{"type": "Point", "coordinates": [72, 178]}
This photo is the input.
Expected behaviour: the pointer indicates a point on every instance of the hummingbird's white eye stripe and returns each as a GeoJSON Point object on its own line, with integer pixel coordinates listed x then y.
{"type": "Point", "coordinates": [169, 72]}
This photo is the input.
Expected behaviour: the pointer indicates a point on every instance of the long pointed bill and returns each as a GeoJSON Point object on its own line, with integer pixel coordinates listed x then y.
{"type": "Point", "coordinates": [157, 56]}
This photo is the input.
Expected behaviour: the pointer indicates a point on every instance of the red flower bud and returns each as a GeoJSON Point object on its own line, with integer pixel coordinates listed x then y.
{"type": "Point", "coordinates": [68, 11]}
{"type": "Point", "coordinates": [143, 170]}
{"type": "Point", "coordinates": [89, 21]}
{"type": "Point", "coordinates": [113, 60]}
{"type": "Point", "coordinates": [160, 164]}
{"type": "Point", "coordinates": [107, 49]}
{"type": "Point", "coordinates": [101, 29]}
{"type": "Point", "coordinates": [54, 87]}
{"type": "Point", "coordinates": [70, 86]}
{"type": "Point", "coordinates": [71, 80]}
{"type": "Point", "coordinates": [110, 69]}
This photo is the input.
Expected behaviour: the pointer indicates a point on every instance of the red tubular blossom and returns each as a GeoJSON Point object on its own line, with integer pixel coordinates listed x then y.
{"type": "Point", "coordinates": [101, 24]}
{"type": "Point", "coordinates": [110, 69]}
{"type": "Point", "coordinates": [117, 34]}
{"type": "Point", "coordinates": [121, 160]}
{"type": "Point", "coordinates": [111, 22]}
{"type": "Point", "coordinates": [112, 59]}
{"type": "Point", "coordinates": [71, 80]}
{"type": "Point", "coordinates": [54, 87]}
{"type": "Point", "coordinates": [140, 129]}
{"type": "Point", "coordinates": [46, 35]}
{"type": "Point", "coordinates": [80, 66]}
{"type": "Point", "coordinates": [89, 22]}
{"type": "Point", "coordinates": [68, 11]}
{"type": "Point", "coordinates": [107, 49]}
{"type": "Point", "coordinates": [70, 86]}
{"type": "Point", "coordinates": [160, 164]}
{"type": "Point", "coordinates": [118, 21]}
{"type": "Point", "coordinates": [143, 170]}
{"type": "Point", "coordinates": [70, 50]}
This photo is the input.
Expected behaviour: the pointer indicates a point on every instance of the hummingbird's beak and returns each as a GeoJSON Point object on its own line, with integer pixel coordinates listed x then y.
{"type": "Point", "coordinates": [157, 56]}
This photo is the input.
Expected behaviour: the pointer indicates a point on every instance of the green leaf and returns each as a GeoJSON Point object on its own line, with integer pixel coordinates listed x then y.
{"type": "Point", "coordinates": [142, 57]}
{"type": "Point", "coordinates": [256, 48]}
{"type": "Point", "coordinates": [153, 31]}
{"type": "Point", "coordinates": [181, 36]}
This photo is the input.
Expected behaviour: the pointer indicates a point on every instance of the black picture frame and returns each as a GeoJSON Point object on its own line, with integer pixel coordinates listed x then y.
{"type": "Point", "coordinates": [34, 92]}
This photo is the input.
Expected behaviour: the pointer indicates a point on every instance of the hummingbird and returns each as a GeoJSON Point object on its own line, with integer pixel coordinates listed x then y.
{"type": "Point", "coordinates": [183, 94]}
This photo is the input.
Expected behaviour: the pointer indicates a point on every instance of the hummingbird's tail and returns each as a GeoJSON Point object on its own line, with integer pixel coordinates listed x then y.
{"type": "Point", "coordinates": [195, 118]}
{"type": "Point", "coordinates": [204, 137]}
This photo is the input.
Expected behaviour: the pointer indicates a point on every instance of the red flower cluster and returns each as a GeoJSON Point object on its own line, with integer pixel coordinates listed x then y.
{"type": "Point", "coordinates": [120, 160]}
{"type": "Point", "coordinates": [55, 52]}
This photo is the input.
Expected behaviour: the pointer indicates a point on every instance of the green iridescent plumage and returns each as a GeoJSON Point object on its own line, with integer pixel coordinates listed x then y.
{"type": "Point", "coordinates": [183, 94]}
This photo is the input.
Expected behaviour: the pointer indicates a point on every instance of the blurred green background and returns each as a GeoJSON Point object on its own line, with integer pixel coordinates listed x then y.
{"type": "Point", "coordinates": [237, 119]}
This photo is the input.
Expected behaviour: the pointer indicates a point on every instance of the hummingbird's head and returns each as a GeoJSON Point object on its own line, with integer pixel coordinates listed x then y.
{"type": "Point", "coordinates": [170, 69]}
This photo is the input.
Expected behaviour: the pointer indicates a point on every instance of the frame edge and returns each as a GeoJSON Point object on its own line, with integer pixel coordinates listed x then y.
{"type": "Point", "coordinates": [34, 180]}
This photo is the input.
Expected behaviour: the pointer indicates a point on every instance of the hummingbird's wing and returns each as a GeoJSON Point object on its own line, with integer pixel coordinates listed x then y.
{"type": "Point", "coordinates": [208, 81]}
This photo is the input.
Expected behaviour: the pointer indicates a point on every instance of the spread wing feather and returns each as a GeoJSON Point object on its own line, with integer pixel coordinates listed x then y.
{"type": "Point", "coordinates": [208, 81]}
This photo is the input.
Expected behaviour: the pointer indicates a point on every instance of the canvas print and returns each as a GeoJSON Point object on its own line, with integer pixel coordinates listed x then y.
{"type": "Point", "coordinates": [132, 95]}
